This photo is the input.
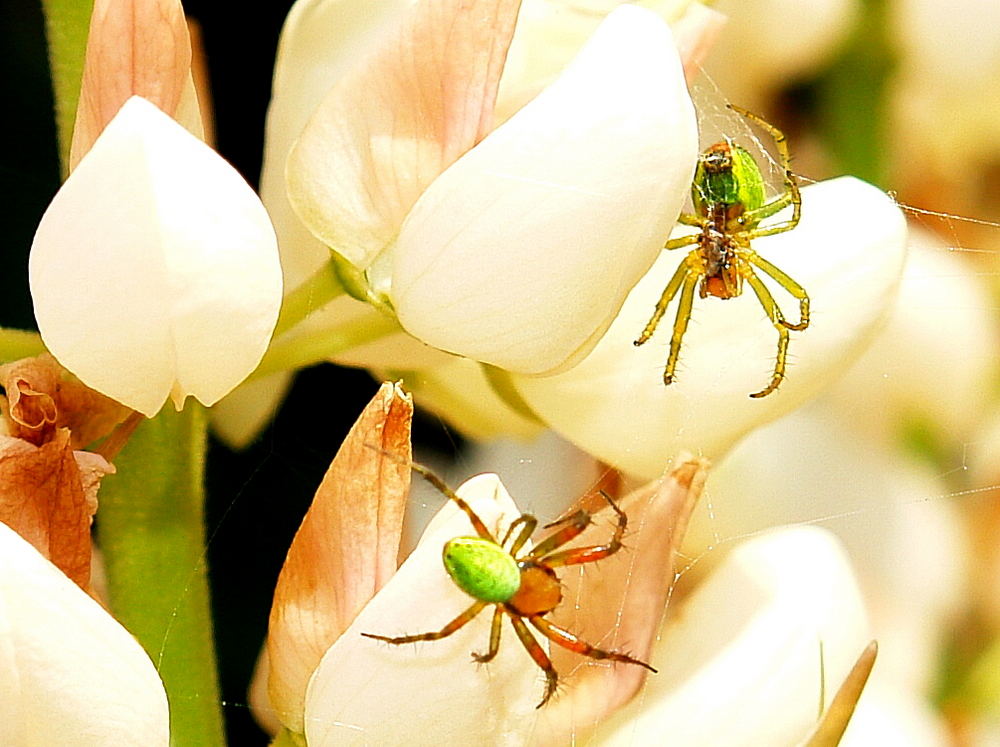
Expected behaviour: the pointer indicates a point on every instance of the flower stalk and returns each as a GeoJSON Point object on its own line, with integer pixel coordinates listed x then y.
{"type": "Point", "coordinates": [152, 534]}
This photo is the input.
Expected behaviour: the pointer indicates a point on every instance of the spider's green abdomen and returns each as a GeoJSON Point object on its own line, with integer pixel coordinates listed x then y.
{"type": "Point", "coordinates": [482, 569]}
{"type": "Point", "coordinates": [727, 174]}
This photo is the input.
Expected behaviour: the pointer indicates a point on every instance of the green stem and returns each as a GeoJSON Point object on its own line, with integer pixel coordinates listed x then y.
{"type": "Point", "coordinates": [305, 348]}
{"type": "Point", "coordinates": [317, 291]}
{"type": "Point", "coordinates": [150, 527]}
{"type": "Point", "coordinates": [67, 23]}
{"type": "Point", "coordinates": [19, 343]}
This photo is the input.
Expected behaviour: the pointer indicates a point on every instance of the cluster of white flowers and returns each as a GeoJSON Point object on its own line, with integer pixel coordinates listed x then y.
{"type": "Point", "coordinates": [492, 184]}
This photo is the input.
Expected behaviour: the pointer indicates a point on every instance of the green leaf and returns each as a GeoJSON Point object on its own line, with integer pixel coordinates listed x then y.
{"type": "Point", "coordinates": [151, 531]}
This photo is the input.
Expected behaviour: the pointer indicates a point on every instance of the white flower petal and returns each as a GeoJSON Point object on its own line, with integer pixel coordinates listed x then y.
{"type": "Point", "coordinates": [520, 253]}
{"type": "Point", "coordinates": [847, 252]}
{"type": "Point", "coordinates": [321, 40]}
{"type": "Point", "coordinates": [739, 663]}
{"type": "Point", "coordinates": [154, 271]}
{"type": "Point", "coordinates": [370, 692]}
{"type": "Point", "coordinates": [69, 673]}
{"type": "Point", "coordinates": [549, 35]}
{"type": "Point", "coordinates": [909, 549]}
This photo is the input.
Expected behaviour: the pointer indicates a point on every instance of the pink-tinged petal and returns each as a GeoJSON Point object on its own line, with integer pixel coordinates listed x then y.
{"type": "Point", "coordinates": [522, 252]}
{"type": "Point", "coordinates": [44, 498]}
{"type": "Point", "coordinates": [69, 673]}
{"type": "Point", "coordinates": [154, 271]}
{"type": "Point", "coordinates": [847, 252]}
{"type": "Point", "coordinates": [385, 132]}
{"type": "Point", "coordinates": [370, 692]}
{"type": "Point", "coordinates": [345, 550]}
{"type": "Point", "coordinates": [135, 48]}
{"type": "Point", "coordinates": [620, 601]}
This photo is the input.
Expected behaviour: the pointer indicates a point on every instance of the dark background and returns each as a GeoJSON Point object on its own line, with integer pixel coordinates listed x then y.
{"type": "Point", "coordinates": [256, 497]}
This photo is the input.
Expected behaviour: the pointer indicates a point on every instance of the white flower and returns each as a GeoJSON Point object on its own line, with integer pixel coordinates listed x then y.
{"type": "Point", "coordinates": [154, 271]}
{"type": "Point", "coordinates": [519, 252]}
{"type": "Point", "coordinates": [69, 673]}
{"type": "Point", "coordinates": [424, 682]}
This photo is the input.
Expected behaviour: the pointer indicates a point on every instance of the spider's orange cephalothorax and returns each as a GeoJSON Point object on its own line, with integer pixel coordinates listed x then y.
{"type": "Point", "coordinates": [539, 591]}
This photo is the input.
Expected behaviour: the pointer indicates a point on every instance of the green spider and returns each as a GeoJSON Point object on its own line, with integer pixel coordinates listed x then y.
{"type": "Point", "coordinates": [729, 202]}
{"type": "Point", "coordinates": [521, 587]}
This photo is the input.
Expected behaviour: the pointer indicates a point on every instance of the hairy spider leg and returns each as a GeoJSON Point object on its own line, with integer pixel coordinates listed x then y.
{"type": "Point", "coordinates": [438, 483]}
{"type": "Point", "coordinates": [794, 289]}
{"type": "Point", "coordinates": [680, 323]}
{"type": "Point", "coordinates": [774, 313]}
{"type": "Point", "coordinates": [494, 637]}
{"type": "Point", "coordinates": [456, 624]}
{"type": "Point", "coordinates": [574, 643]}
{"type": "Point", "coordinates": [589, 554]}
{"type": "Point", "coordinates": [790, 196]}
{"type": "Point", "coordinates": [667, 296]}
{"type": "Point", "coordinates": [575, 524]}
{"type": "Point", "coordinates": [539, 656]}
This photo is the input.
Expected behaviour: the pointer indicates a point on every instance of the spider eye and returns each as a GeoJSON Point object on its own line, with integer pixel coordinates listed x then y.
{"type": "Point", "coordinates": [717, 159]}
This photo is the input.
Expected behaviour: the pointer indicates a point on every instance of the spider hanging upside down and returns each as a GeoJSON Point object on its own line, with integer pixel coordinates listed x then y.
{"type": "Point", "coordinates": [521, 587]}
{"type": "Point", "coordinates": [728, 198]}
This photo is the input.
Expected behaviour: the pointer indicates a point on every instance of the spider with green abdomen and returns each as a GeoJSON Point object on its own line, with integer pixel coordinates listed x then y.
{"type": "Point", "coordinates": [520, 587]}
{"type": "Point", "coordinates": [729, 203]}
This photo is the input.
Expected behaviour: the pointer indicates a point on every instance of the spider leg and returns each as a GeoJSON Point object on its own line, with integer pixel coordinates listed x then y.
{"type": "Point", "coordinates": [446, 631]}
{"type": "Point", "coordinates": [791, 194]}
{"type": "Point", "coordinates": [682, 271]}
{"type": "Point", "coordinates": [574, 524]}
{"type": "Point", "coordinates": [527, 522]}
{"type": "Point", "coordinates": [538, 654]}
{"type": "Point", "coordinates": [494, 637]}
{"type": "Point", "coordinates": [438, 483]}
{"type": "Point", "coordinates": [774, 313]}
{"type": "Point", "coordinates": [680, 325]}
{"type": "Point", "coordinates": [574, 643]}
{"type": "Point", "coordinates": [589, 554]}
{"type": "Point", "coordinates": [796, 290]}
{"type": "Point", "coordinates": [686, 240]}
{"type": "Point", "coordinates": [690, 219]}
